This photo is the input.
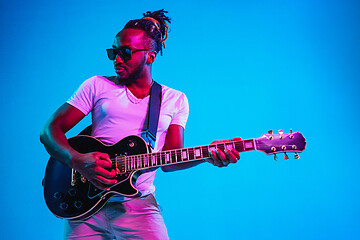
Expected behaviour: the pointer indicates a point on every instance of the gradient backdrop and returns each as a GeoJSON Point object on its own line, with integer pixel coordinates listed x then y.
{"type": "Point", "coordinates": [246, 67]}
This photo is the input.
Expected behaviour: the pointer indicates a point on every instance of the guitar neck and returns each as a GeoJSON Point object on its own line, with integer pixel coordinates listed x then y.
{"type": "Point", "coordinates": [158, 159]}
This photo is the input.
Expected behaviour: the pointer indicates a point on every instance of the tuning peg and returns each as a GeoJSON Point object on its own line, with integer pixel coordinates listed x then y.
{"type": "Point", "coordinates": [286, 156]}
{"type": "Point", "coordinates": [275, 158]}
{"type": "Point", "coordinates": [297, 156]}
{"type": "Point", "coordinates": [271, 132]}
{"type": "Point", "coordinates": [290, 130]}
{"type": "Point", "coordinates": [281, 132]}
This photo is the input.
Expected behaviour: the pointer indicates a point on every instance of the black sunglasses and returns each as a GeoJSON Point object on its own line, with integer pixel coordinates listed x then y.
{"type": "Point", "coordinates": [125, 53]}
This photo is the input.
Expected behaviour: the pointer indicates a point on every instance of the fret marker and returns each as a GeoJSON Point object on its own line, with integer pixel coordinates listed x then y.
{"type": "Point", "coordinates": [197, 152]}
{"type": "Point", "coordinates": [229, 146]}
{"type": "Point", "coordinates": [248, 145]}
{"type": "Point", "coordinates": [184, 154]}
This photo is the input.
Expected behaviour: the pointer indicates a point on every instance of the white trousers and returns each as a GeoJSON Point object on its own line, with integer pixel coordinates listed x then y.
{"type": "Point", "coordinates": [135, 219]}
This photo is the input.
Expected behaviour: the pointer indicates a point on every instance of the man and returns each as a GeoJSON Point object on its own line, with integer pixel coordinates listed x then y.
{"type": "Point", "coordinates": [119, 108]}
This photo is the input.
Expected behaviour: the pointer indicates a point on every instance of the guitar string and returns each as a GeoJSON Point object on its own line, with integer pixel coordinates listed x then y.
{"type": "Point", "coordinates": [173, 153]}
{"type": "Point", "coordinates": [136, 161]}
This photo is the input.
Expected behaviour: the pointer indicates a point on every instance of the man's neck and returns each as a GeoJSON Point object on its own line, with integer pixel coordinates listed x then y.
{"type": "Point", "coordinates": [141, 87]}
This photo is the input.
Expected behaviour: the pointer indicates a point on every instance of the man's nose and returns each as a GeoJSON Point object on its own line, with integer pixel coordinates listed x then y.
{"type": "Point", "coordinates": [118, 59]}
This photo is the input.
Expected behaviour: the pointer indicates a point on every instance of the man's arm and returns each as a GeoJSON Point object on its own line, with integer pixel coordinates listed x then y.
{"type": "Point", "coordinates": [175, 140]}
{"type": "Point", "coordinates": [90, 165]}
{"type": "Point", "coordinates": [53, 133]}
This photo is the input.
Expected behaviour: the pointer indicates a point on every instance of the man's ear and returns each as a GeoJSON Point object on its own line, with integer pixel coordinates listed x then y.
{"type": "Point", "coordinates": [151, 57]}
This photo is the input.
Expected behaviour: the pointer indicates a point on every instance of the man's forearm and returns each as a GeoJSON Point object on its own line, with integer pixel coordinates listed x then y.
{"type": "Point", "coordinates": [53, 134]}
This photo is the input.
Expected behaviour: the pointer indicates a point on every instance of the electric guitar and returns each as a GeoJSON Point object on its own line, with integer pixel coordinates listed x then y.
{"type": "Point", "coordinates": [69, 195]}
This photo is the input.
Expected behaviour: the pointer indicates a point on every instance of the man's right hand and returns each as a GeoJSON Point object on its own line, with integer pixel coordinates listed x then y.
{"type": "Point", "coordinates": [94, 167]}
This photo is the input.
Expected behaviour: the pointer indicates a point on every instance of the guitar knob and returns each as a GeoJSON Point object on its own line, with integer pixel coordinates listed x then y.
{"type": "Point", "coordinates": [58, 195]}
{"type": "Point", "coordinates": [83, 179]}
{"type": "Point", "coordinates": [64, 205]}
{"type": "Point", "coordinates": [131, 144]}
{"type": "Point", "coordinates": [78, 204]}
{"type": "Point", "coordinates": [72, 192]}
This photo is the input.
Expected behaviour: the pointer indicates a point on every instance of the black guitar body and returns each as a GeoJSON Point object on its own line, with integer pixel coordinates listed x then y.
{"type": "Point", "coordinates": [69, 195]}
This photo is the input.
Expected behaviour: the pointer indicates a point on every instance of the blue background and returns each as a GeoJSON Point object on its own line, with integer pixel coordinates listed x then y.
{"type": "Point", "coordinates": [245, 66]}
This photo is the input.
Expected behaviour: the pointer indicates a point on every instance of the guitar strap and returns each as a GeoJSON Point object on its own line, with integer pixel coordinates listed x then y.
{"type": "Point", "coordinates": [153, 113]}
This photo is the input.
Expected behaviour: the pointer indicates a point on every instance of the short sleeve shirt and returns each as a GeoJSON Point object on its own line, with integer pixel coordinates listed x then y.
{"type": "Point", "coordinates": [117, 113]}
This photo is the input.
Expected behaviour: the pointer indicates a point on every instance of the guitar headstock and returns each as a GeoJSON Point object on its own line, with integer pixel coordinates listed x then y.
{"type": "Point", "coordinates": [281, 143]}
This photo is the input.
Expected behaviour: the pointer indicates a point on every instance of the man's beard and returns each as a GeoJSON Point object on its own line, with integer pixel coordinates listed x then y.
{"type": "Point", "coordinates": [132, 77]}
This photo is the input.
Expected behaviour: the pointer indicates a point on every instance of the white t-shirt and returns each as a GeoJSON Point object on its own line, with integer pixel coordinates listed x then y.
{"type": "Point", "coordinates": [115, 116]}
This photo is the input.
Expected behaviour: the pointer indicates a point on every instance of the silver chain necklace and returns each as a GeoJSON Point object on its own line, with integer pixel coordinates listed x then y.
{"type": "Point", "coordinates": [134, 99]}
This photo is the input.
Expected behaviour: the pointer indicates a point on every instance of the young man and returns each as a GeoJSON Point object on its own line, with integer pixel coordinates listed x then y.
{"type": "Point", "coordinates": [119, 107]}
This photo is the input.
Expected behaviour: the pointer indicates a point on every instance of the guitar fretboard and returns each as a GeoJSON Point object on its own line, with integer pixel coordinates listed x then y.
{"type": "Point", "coordinates": [150, 160]}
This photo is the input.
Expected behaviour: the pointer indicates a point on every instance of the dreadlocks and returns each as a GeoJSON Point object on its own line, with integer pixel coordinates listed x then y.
{"type": "Point", "coordinates": [155, 27]}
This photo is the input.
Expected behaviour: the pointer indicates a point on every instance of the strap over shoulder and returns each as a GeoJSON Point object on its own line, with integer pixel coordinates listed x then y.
{"type": "Point", "coordinates": [153, 113]}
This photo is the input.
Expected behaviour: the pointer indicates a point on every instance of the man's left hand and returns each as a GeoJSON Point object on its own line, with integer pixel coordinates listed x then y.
{"type": "Point", "coordinates": [221, 158]}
